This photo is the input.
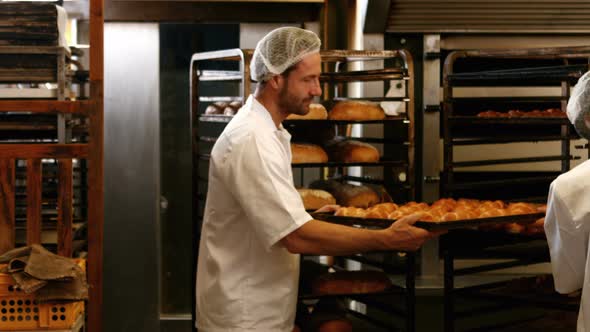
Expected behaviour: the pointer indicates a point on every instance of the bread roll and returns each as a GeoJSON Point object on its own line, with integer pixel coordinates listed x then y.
{"type": "Point", "coordinates": [351, 282]}
{"type": "Point", "coordinates": [350, 151]}
{"type": "Point", "coordinates": [316, 112]}
{"type": "Point", "coordinates": [348, 194]}
{"type": "Point", "coordinates": [307, 153]}
{"type": "Point", "coordinates": [381, 211]}
{"type": "Point", "coordinates": [356, 111]}
{"type": "Point", "coordinates": [235, 105]}
{"type": "Point", "coordinates": [351, 212]}
{"type": "Point", "coordinates": [314, 199]}
{"type": "Point", "coordinates": [230, 111]}
{"type": "Point", "coordinates": [216, 108]}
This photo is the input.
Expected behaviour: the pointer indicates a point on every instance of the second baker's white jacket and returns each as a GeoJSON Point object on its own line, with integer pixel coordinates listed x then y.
{"type": "Point", "coordinates": [567, 226]}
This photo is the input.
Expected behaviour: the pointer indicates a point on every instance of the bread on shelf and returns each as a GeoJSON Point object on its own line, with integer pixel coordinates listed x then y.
{"type": "Point", "coordinates": [351, 282]}
{"type": "Point", "coordinates": [347, 194]}
{"type": "Point", "coordinates": [316, 112]}
{"type": "Point", "coordinates": [223, 108]}
{"type": "Point", "coordinates": [303, 153]}
{"type": "Point", "coordinates": [356, 111]}
{"type": "Point", "coordinates": [314, 199]}
{"type": "Point", "coordinates": [351, 151]}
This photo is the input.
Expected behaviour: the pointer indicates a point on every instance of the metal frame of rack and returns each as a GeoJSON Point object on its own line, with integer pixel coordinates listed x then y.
{"type": "Point", "coordinates": [334, 77]}
{"type": "Point", "coordinates": [527, 130]}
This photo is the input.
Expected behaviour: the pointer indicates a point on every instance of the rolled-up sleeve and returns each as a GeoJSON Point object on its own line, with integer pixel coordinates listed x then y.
{"type": "Point", "coordinates": [567, 244]}
{"type": "Point", "coordinates": [259, 176]}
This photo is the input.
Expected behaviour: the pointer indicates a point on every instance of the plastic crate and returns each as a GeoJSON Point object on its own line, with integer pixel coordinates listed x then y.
{"type": "Point", "coordinates": [19, 311]}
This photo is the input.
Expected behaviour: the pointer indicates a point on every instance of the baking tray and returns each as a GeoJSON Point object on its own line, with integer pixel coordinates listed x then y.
{"type": "Point", "coordinates": [429, 225]}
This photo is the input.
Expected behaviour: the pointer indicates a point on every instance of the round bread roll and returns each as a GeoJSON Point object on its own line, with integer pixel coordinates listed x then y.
{"type": "Point", "coordinates": [351, 212]}
{"type": "Point", "coordinates": [314, 199]}
{"type": "Point", "coordinates": [356, 111]}
{"type": "Point", "coordinates": [235, 105]}
{"type": "Point", "coordinates": [215, 108]}
{"type": "Point", "coordinates": [316, 112]}
{"type": "Point", "coordinates": [350, 151]}
{"type": "Point", "coordinates": [307, 153]}
{"type": "Point", "coordinates": [381, 211]}
{"type": "Point", "coordinates": [229, 111]}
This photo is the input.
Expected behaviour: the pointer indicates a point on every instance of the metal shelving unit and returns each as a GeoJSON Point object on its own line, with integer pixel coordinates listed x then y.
{"type": "Point", "coordinates": [229, 72]}
{"type": "Point", "coordinates": [556, 67]}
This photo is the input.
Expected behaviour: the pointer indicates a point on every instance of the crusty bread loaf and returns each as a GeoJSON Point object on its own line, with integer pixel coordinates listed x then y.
{"type": "Point", "coordinates": [314, 199]}
{"type": "Point", "coordinates": [307, 153]}
{"type": "Point", "coordinates": [351, 282]}
{"type": "Point", "coordinates": [350, 151]}
{"type": "Point", "coordinates": [348, 194]}
{"type": "Point", "coordinates": [316, 112]}
{"type": "Point", "coordinates": [356, 111]}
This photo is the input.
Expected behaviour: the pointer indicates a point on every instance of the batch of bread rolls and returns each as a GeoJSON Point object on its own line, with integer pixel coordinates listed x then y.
{"type": "Point", "coordinates": [550, 112]}
{"type": "Point", "coordinates": [364, 202]}
{"type": "Point", "coordinates": [448, 209]}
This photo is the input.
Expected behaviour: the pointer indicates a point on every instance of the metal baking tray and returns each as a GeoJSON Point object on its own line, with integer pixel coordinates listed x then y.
{"type": "Point", "coordinates": [429, 225]}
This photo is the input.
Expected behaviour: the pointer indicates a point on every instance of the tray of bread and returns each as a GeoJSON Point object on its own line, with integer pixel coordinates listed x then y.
{"type": "Point", "coordinates": [444, 214]}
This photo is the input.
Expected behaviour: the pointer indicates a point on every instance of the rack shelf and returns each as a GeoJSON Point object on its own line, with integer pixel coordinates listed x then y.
{"type": "Point", "coordinates": [399, 154]}
{"type": "Point", "coordinates": [462, 127]}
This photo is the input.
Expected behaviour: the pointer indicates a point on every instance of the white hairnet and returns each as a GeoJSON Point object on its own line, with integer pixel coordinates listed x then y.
{"type": "Point", "coordinates": [578, 107]}
{"type": "Point", "coordinates": [280, 49]}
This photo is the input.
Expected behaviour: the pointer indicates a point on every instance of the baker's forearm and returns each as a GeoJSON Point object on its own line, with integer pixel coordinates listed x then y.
{"type": "Point", "coordinates": [321, 238]}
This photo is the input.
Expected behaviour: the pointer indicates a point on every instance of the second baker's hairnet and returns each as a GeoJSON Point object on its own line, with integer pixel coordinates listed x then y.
{"type": "Point", "coordinates": [578, 106]}
{"type": "Point", "coordinates": [280, 49]}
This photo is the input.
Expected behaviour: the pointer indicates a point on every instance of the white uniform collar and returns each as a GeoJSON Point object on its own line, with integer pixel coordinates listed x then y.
{"type": "Point", "coordinates": [264, 114]}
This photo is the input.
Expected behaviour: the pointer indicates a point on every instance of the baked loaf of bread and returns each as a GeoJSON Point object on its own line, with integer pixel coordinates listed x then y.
{"type": "Point", "coordinates": [350, 151]}
{"type": "Point", "coordinates": [223, 108]}
{"type": "Point", "coordinates": [348, 194]}
{"type": "Point", "coordinates": [351, 282]}
{"type": "Point", "coordinates": [316, 112]}
{"type": "Point", "coordinates": [356, 111]}
{"type": "Point", "coordinates": [314, 199]}
{"type": "Point", "coordinates": [307, 153]}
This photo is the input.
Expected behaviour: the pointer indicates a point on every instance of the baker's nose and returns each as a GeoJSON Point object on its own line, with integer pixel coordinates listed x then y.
{"type": "Point", "coordinates": [316, 90]}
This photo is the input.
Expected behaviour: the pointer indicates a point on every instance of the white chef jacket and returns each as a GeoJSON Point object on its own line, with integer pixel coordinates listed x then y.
{"type": "Point", "coordinates": [246, 281]}
{"type": "Point", "coordinates": [567, 226]}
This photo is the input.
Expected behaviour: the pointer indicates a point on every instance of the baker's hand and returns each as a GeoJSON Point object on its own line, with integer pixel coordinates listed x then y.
{"type": "Point", "coordinates": [402, 235]}
{"type": "Point", "coordinates": [328, 208]}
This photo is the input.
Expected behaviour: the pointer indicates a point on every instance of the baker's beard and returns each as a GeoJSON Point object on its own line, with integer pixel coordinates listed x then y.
{"type": "Point", "coordinates": [291, 104]}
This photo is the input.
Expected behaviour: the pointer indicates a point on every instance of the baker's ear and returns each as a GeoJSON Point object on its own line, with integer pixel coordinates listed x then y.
{"type": "Point", "coordinates": [277, 81]}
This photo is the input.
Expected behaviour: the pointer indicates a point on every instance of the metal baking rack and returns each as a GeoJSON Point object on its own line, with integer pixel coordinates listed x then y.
{"type": "Point", "coordinates": [547, 67]}
{"type": "Point", "coordinates": [224, 76]}
{"type": "Point", "coordinates": [461, 126]}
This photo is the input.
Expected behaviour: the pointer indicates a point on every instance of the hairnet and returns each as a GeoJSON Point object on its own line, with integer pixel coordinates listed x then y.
{"type": "Point", "coordinates": [578, 107]}
{"type": "Point", "coordinates": [280, 49]}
